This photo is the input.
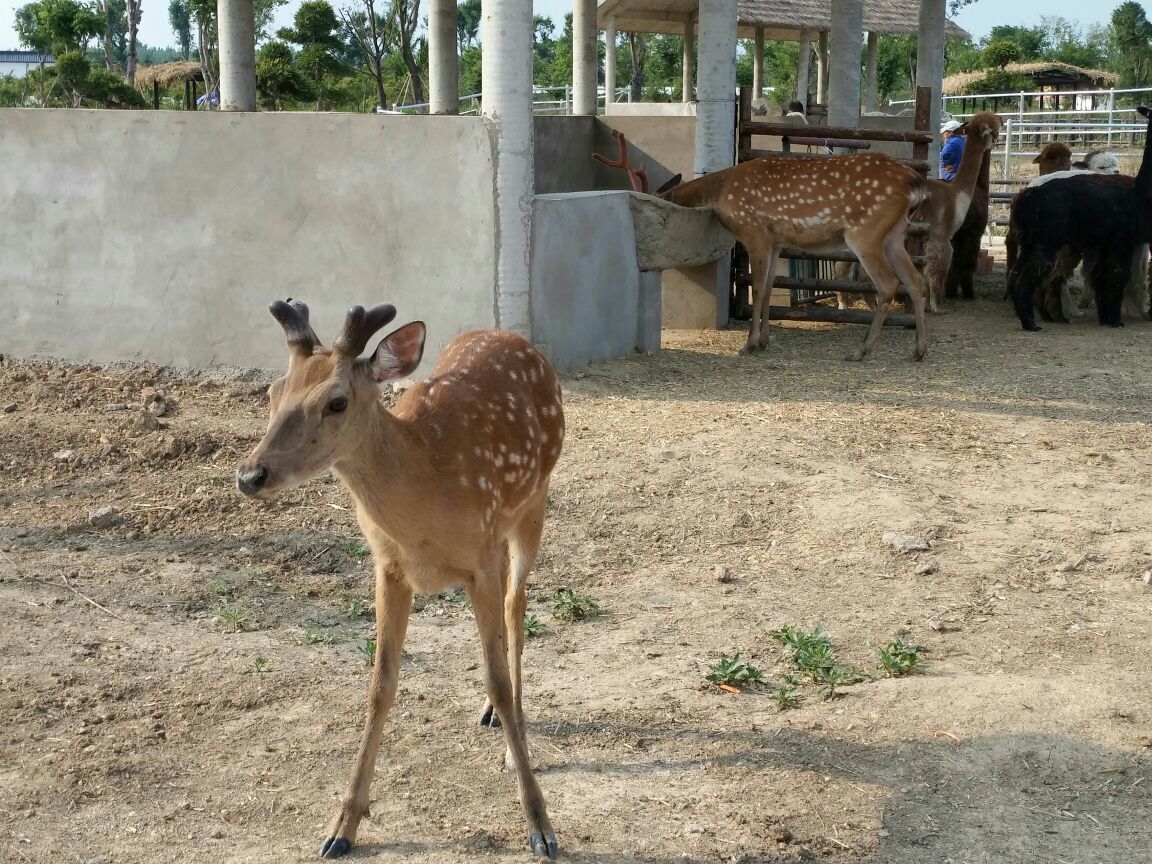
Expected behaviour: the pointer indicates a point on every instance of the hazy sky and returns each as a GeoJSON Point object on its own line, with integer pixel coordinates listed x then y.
{"type": "Point", "coordinates": [977, 19]}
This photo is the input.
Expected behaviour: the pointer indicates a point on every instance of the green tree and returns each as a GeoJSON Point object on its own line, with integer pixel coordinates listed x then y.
{"type": "Point", "coordinates": [1032, 42]}
{"type": "Point", "coordinates": [180, 17]}
{"type": "Point", "coordinates": [895, 66]}
{"type": "Point", "coordinates": [367, 32]}
{"type": "Point", "coordinates": [315, 31]}
{"type": "Point", "coordinates": [277, 77]}
{"type": "Point", "coordinates": [1000, 52]}
{"type": "Point", "coordinates": [1130, 35]}
{"type": "Point", "coordinates": [468, 14]}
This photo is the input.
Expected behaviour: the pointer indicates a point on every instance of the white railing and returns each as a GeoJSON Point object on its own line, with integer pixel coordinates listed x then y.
{"type": "Point", "coordinates": [471, 104]}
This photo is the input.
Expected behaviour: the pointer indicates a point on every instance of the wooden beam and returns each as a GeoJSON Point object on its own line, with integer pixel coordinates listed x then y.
{"type": "Point", "coordinates": [823, 314]}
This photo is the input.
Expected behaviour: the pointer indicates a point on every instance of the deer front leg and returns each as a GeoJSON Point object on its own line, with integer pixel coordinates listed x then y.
{"type": "Point", "coordinates": [393, 605]}
{"type": "Point", "coordinates": [763, 268]}
{"type": "Point", "coordinates": [488, 606]}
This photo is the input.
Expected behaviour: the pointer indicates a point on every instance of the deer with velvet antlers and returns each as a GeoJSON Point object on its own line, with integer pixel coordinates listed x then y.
{"type": "Point", "coordinates": [450, 488]}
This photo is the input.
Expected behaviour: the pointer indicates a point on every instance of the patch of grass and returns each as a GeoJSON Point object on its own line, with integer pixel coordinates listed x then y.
{"type": "Point", "coordinates": [354, 607]}
{"type": "Point", "coordinates": [229, 619]}
{"type": "Point", "coordinates": [222, 587]}
{"type": "Point", "coordinates": [814, 655]}
{"type": "Point", "coordinates": [734, 672]}
{"type": "Point", "coordinates": [357, 549]}
{"type": "Point", "coordinates": [458, 596]}
{"type": "Point", "coordinates": [318, 635]}
{"type": "Point", "coordinates": [567, 605]}
{"type": "Point", "coordinates": [533, 626]}
{"type": "Point", "coordinates": [899, 657]}
{"type": "Point", "coordinates": [785, 697]}
{"type": "Point", "coordinates": [368, 649]}
{"type": "Point", "coordinates": [259, 664]}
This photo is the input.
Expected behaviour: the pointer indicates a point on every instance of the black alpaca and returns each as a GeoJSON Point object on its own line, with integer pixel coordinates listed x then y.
{"type": "Point", "coordinates": [1100, 220]}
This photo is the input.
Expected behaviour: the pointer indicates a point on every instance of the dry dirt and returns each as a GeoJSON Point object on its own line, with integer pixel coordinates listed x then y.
{"type": "Point", "coordinates": [136, 728]}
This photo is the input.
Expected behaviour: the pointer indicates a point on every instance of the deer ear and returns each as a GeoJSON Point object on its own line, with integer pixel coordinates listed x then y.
{"type": "Point", "coordinates": [671, 184]}
{"type": "Point", "coordinates": [398, 353]}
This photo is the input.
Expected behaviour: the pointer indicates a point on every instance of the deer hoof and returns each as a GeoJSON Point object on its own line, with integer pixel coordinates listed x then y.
{"type": "Point", "coordinates": [750, 348]}
{"type": "Point", "coordinates": [489, 719]}
{"type": "Point", "coordinates": [335, 847]}
{"type": "Point", "coordinates": [543, 845]}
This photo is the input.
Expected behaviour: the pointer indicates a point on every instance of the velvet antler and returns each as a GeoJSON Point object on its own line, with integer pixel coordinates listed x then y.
{"type": "Point", "coordinates": [360, 326]}
{"type": "Point", "coordinates": [293, 317]}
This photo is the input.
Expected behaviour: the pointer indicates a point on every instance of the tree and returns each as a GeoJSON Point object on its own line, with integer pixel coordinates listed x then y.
{"type": "Point", "coordinates": [277, 77]}
{"type": "Point", "coordinates": [1000, 52]}
{"type": "Point", "coordinates": [315, 31]}
{"type": "Point", "coordinates": [405, 20]}
{"type": "Point", "coordinates": [134, 13]}
{"type": "Point", "coordinates": [1032, 42]}
{"type": "Point", "coordinates": [895, 65]}
{"type": "Point", "coordinates": [367, 30]}
{"type": "Point", "coordinates": [180, 17]}
{"type": "Point", "coordinates": [638, 51]}
{"type": "Point", "coordinates": [56, 27]}
{"type": "Point", "coordinates": [468, 16]}
{"type": "Point", "coordinates": [115, 37]}
{"type": "Point", "coordinates": [1131, 37]}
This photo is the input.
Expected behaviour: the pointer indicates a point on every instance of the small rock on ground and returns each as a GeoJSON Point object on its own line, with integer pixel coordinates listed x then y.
{"type": "Point", "coordinates": [927, 568]}
{"type": "Point", "coordinates": [905, 542]}
{"type": "Point", "coordinates": [104, 517]}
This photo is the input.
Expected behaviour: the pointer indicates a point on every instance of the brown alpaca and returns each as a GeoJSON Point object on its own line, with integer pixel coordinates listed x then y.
{"type": "Point", "coordinates": [1056, 156]}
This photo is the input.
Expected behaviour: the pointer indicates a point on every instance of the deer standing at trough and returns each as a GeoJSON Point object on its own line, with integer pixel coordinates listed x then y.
{"type": "Point", "coordinates": [818, 203]}
{"type": "Point", "coordinates": [447, 485]}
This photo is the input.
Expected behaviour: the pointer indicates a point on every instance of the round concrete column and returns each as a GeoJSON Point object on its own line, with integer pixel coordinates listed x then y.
{"type": "Point", "coordinates": [585, 59]}
{"type": "Point", "coordinates": [822, 68]}
{"type": "Point", "coordinates": [609, 61]}
{"type": "Point", "coordinates": [237, 34]}
{"type": "Point", "coordinates": [844, 62]}
{"type": "Point", "coordinates": [803, 66]}
{"type": "Point", "coordinates": [443, 67]}
{"type": "Point", "coordinates": [930, 68]}
{"type": "Point", "coordinates": [506, 64]}
{"type": "Point", "coordinates": [870, 74]}
{"type": "Point", "coordinates": [758, 65]}
{"type": "Point", "coordinates": [688, 60]}
{"type": "Point", "coordinates": [716, 87]}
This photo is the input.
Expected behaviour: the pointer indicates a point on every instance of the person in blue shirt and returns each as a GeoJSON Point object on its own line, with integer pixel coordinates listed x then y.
{"type": "Point", "coordinates": [951, 152]}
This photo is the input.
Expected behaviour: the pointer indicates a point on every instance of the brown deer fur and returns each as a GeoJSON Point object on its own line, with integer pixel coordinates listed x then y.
{"type": "Point", "coordinates": [448, 485]}
{"type": "Point", "coordinates": [819, 203]}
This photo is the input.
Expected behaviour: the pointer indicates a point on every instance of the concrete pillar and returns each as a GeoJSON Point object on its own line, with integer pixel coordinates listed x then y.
{"type": "Point", "coordinates": [716, 87]}
{"type": "Point", "coordinates": [870, 74]}
{"type": "Point", "coordinates": [609, 61]}
{"type": "Point", "coordinates": [585, 57]}
{"type": "Point", "coordinates": [844, 63]}
{"type": "Point", "coordinates": [443, 67]}
{"type": "Point", "coordinates": [803, 66]}
{"type": "Point", "coordinates": [822, 69]}
{"type": "Point", "coordinates": [930, 68]}
{"type": "Point", "coordinates": [237, 36]}
{"type": "Point", "coordinates": [688, 60]}
{"type": "Point", "coordinates": [758, 65]}
{"type": "Point", "coordinates": [506, 64]}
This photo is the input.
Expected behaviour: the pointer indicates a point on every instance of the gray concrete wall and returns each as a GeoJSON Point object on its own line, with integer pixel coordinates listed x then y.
{"type": "Point", "coordinates": [589, 300]}
{"type": "Point", "coordinates": [162, 236]}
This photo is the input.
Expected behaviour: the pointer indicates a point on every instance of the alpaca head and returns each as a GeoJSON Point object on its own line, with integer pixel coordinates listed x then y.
{"type": "Point", "coordinates": [1055, 156]}
{"type": "Point", "coordinates": [1102, 162]}
{"type": "Point", "coordinates": [985, 126]}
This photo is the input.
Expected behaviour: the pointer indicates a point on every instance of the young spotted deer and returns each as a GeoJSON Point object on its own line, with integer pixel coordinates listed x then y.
{"type": "Point", "coordinates": [447, 484]}
{"type": "Point", "coordinates": [819, 203]}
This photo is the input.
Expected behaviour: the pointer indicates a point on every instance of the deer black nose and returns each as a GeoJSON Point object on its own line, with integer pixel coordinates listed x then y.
{"type": "Point", "coordinates": [251, 480]}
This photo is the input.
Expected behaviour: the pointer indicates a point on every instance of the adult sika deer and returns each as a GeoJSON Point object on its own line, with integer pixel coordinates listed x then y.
{"type": "Point", "coordinates": [445, 484]}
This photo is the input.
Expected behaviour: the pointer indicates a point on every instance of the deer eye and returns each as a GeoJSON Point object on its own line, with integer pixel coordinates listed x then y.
{"type": "Point", "coordinates": [338, 404]}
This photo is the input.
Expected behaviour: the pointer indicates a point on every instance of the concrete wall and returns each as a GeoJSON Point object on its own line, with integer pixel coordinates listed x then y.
{"type": "Point", "coordinates": [164, 235]}
{"type": "Point", "coordinates": [589, 307]}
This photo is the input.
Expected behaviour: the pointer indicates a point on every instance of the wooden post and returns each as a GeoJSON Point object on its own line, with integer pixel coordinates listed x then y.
{"type": "Point", "coordinates": [155, 95]}
{"type": "Point", "coordinates": [744, 137]}
{"type": "Point", "coordinates": [187, 95]}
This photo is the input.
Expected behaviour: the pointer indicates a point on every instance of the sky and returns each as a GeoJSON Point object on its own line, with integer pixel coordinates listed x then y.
{"type": "Point", "coordinates": [977, 19]}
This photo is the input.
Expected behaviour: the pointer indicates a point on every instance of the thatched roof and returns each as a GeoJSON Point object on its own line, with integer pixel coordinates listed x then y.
{"type": "Point", "coordinates": [1042, 71]}
{"type": "Point", "coordinates": [168, 74]}
{"type": "Point", "coordinates": [781, 19]}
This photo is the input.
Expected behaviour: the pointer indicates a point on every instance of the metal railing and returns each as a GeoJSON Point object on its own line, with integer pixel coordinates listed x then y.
{"type": "Point", "coordinates": [560, 103]}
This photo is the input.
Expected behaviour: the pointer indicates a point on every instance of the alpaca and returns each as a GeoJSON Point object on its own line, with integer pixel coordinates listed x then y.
{"type": "Point", "coordinates": [1100, 161]}
{"type": "Point", "coordinates": [966, 240]}
{"type": "Point", "coordinates": [1056, 156]}
{"type": "Point", "coordinates": [1102, 218]}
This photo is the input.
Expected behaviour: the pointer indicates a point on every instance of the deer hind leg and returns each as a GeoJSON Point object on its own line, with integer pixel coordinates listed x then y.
{"type": "Point", "coordinates": [488, 606]}
{"type": "Point", "coordinates": [763, 268]}
{"type": "Point", "coordinates": [393, 604]}
{"type": "Point", "coordinates": [887, 267]}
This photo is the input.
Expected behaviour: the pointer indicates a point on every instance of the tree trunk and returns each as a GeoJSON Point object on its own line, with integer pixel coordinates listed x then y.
{"type": "Point", "coordinates": [377, 54]}
{"type": "Point", "coordinates": [133, 9]}
{"type": "Point", "coordinates": [107, 37]}
{"type": "Point", "coordinates": [414, 73]}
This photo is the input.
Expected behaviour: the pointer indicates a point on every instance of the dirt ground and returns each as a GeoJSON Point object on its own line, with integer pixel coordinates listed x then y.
{"type": "Point", "coordinates": [136, 727]}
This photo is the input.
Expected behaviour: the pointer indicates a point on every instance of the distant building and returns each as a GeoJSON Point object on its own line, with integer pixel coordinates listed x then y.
{"type": "Point", "coordinates": [17, 63]}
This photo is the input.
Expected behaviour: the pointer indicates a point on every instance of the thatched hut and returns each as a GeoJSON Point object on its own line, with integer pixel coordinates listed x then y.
{"type": "Point", "coordinates": [165, 75]}
{"type": "Point", "coordinates": [1049, 78]}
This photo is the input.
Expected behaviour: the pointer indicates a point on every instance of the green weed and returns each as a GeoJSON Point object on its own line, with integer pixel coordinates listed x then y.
{"type": "Point", "coordinates": [567, 605]}
{"type": "Point", "coordinates": [899, 657]}
{"type": "Point", "coordinates": [533, 626]}
{"type": "Point", "coordinates": [735, 673]}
